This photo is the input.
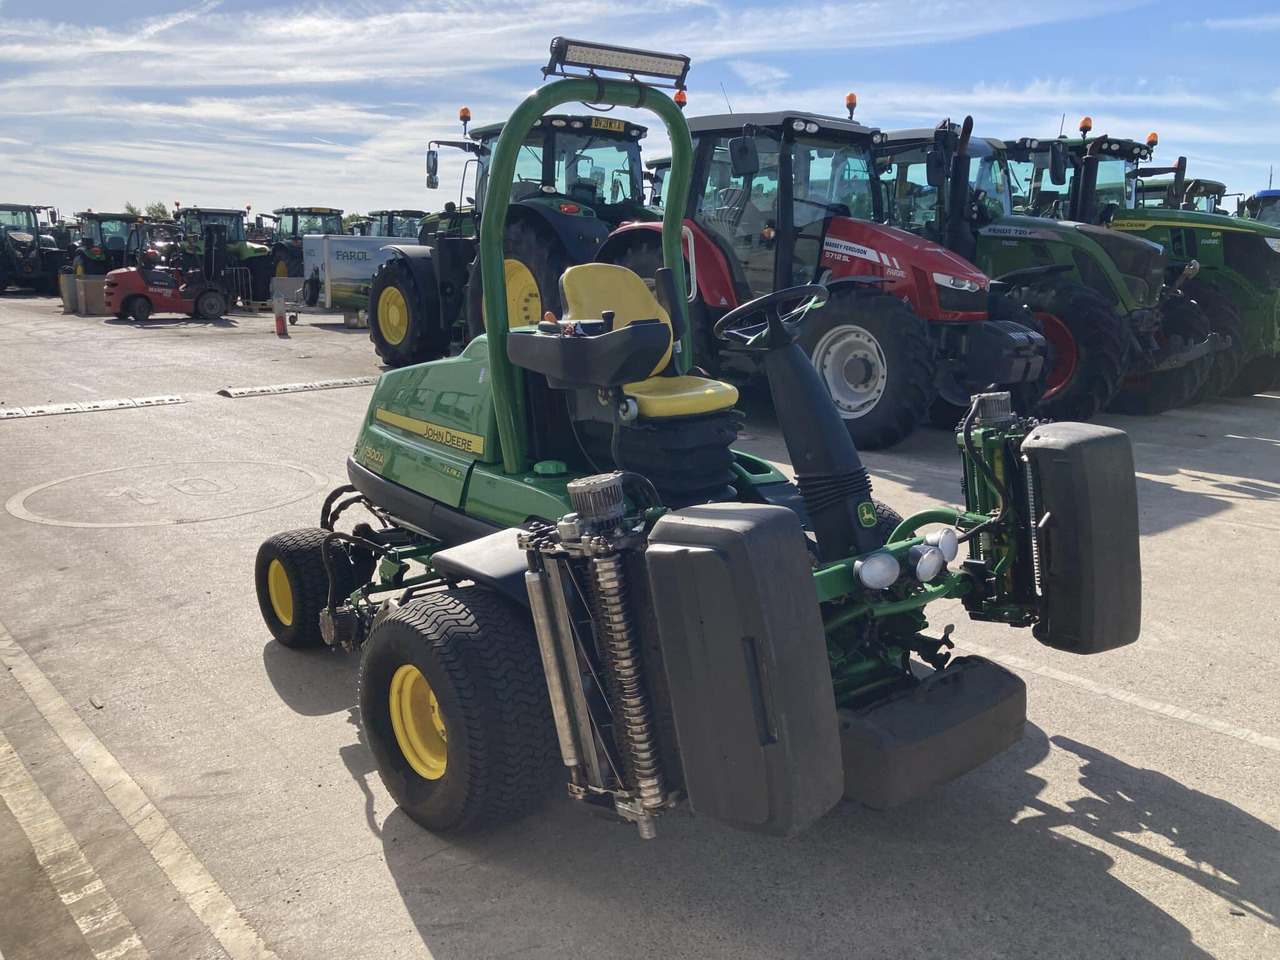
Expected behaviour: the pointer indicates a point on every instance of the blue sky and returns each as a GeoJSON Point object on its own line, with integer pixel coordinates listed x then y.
{"type": "Point", "coordinates": [298, 101]}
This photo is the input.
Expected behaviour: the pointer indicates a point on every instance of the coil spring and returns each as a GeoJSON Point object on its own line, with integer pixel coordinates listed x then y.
{"type": "Point", "coordinates": [638, 740]}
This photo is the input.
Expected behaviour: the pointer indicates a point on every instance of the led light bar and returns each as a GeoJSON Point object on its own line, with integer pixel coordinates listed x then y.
{"type": "Point", "coordinates": [602, 57]}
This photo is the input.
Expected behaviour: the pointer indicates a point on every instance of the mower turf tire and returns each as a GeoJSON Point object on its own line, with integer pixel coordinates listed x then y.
{"type": "Point", "coordinates": [412, 336]}
{"type": "Point", "coordinates": [1147, 396]}
{"type": "Point", "coordinates": [1098, 337]}
{"type": "Point", "coordinates": [299, 553]}
{"type": "Point", "coordinates": [909, 358]}
{"type": "Point", "coordinates": [477, 653]}
{"type": "Point", "coordinates": [138, 308]}
{"type": "Point", "coordinates": [1259, 375]}
{"type": "Point", "coordinates": [945, 414]}
{"type": "Point", "coordinates": [542, 254]}
{"type": "Point", "coordinates": [1225, 320]}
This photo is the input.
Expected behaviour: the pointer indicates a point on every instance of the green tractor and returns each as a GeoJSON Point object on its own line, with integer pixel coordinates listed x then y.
{"type": "Point", "coordinates": [1237, 260]}
{"type": "Point", "coordinates": [1205, 196]}
{"type": "Point", "coordinates": [567, 565]}
{"type": "Point", "coordinates": [1263, 206]}
{"type": "Point", "coordinates": [401, 224]}
{"type": "Point", "coordinates": [1120, 337]}
{"type": "Point", "coordinates": [30, 255]}
{"type": "Point", "coordinates": [291, 225]}
{"type": "Point", "coordinates": [577, 178]}
{"type": "Point", "coordinates": [103, 241]}
{"type": "Point", "coordinates": [254, 258]}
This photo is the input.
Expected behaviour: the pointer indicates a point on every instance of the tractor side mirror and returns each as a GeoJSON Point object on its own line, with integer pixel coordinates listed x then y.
{"type": "Point", "coordinates": [1057, 164]}
{"type": "Point", "coordinates": [935, 169]}
{"type": "Point", "coordinates": [744, 158]}
{"type": "Point", "coordinates": [433, 169]}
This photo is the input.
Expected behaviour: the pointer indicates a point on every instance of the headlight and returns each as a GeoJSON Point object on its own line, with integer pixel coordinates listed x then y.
{"type": "Point", "coordinates": [1273, 243]}
{"type": "Point", "coordinates": [926, 561]}
{"type": "Point", "coordinates": [956, 283]}
{"type": "Point", "coordinates": [946, 541]}
{"type": "Point", "coordinates": [797, 126]}
{"type": "Point", "coordinates": [810, 127]}
{"type": "Point", "coordinates": [878, 571]}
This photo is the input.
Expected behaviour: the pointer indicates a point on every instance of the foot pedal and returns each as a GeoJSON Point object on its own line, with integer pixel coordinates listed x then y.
{"type": "Point", "coordinates": [953, 721]}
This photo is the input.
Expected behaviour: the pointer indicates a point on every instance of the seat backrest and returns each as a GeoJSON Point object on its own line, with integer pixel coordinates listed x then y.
{"type": "Point", "coordinates": [589, 289]}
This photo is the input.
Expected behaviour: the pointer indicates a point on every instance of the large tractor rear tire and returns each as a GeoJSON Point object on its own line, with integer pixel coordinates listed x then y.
{"type": "Point", "coordinates": [400, 325]}
{"type": "Point", "coordinates": [293, 585]}
{"type": "Point", "coordinates": [1259, 375]}
{"type": "Point", "coordinates": [878, 361]}
{"type": "Point", "coordinates": [1225, 320]}
{"type": "Point", "coordinates": [534, 259]}
{"type": "Point", "coordinates": [1088, 348]}
{"type": "Point", "coordinates": [453, 703]}
{"type": "Point", "coordinates": [284, 264]}
{"type": "Point", "coordinates": [1147, 395]}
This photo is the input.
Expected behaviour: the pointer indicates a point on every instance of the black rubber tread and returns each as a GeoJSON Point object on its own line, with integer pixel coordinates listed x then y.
{"type": "Point", "coordinates": [887, 519]}
{"type": "Point", "coordinates": [1259, 375]}
{"type": "Point", "coordinates": [910, 353]}
{"type": "Point", "coordinates": [479, 654]}
{"type": "Point", "coordinates": [424, 340]}
{"type": "Point", "coordinates": [208, 299]}
{"type": "Point", "coordinates": [1224, 319]}
{"type": "Point", "coordinates": [946, 415]}
{"type": "Point", "coordinates": [1158, 393]}
{"type": "Point", "coordinates": [1102, 346]}
{"type": "Point", "coordinates": [260, 270]}
{"type": "Point", "coordinates": [538, 248]}
{"type": "Point", "coordinates": [138, 308]}
{"type": "Point", "coordinates": [299, 552]}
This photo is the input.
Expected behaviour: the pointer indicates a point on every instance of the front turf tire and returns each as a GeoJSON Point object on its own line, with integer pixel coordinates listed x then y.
{"type": "Point", "coordinates": [478, 657]}
{"type": "Point", "coordinates": [877, 334]}
{"type": "Point", "coordinates": [293, 586]}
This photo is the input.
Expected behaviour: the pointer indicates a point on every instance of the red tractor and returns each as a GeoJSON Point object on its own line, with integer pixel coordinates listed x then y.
{"type": "Point", "coordinates": [787, 198]}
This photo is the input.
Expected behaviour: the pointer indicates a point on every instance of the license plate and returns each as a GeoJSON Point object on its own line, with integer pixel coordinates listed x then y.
{"type": "Point", "coordinates": [607, 123]}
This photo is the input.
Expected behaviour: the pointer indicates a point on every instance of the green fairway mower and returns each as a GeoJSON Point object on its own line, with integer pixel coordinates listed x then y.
{"type": "Point", "coordinates": [251, 268]}
{"type": "Point", "coordinates": [1237, 261]}
{"type": "Point", "coordinates": [29, 252]}
{"type": "Point", "coordinates": [576, 178]}
{"type": "Point", "coordinates": [291, 225]}
{"type": "Point", "coordinates": [570, 567]}
{"type": "Point", "coordinates": [1119, 336]}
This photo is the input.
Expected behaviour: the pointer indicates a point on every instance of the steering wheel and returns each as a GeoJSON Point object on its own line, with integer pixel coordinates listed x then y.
{"type": "Point", "coordinates": [778, 323]}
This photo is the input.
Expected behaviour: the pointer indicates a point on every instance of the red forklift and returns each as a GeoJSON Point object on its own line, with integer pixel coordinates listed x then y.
{"type": "Point", "coordinates": [202, 290]}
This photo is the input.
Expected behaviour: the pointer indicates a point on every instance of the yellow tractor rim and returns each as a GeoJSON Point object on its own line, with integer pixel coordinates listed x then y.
{"type": "Point", "coordinates": [279, 592]}
{"type": "Point", "coordinates": [417, 722]}
{"type": "Point", "coordinates": [524, 303]}
{"type": "Point", "coordinates": [79, 269]}
{"type": "Point", "coordinates": [393, 315]}
{"type": "Point", "coordinates": [282, 269]}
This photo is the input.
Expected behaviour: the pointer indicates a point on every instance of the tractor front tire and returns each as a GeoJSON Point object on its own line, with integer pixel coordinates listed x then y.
{"type": "Point", "coordinates": [293, 585]}
{"type": "Point", "coordinates": [1088, 348]}
{"type": "Point", "coordinates": [1152, 394]}
{"type": "Point", "coordinates": [453, 703]}
{"type": "Point", "coordinates": [878, 362]}
{"type": "Point", "coordinates": [400, 327]}
{"type": "Point", "coordinates": [1225, 320]}
{"type": "Point", "coordinates": [534, 259]}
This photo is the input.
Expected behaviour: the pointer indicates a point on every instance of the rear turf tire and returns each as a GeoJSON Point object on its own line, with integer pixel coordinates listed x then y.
{"type": "Point", "coordinates": [293, 586]}
{"type": "Point", "coordinates": [889, 349]}
{"type": "Point", "coordinates": [478, 657]}
{"type": "Point", "coordinates": [1224, 319]}
{"type": "Point", "coordinates": [1148, 395]}
{"type": "Point", "coordinates": [544, 257]}
{"type": "Point", "coordinates": [1088, 348]}
{"type": "Point", "coordinates": [400, 326]}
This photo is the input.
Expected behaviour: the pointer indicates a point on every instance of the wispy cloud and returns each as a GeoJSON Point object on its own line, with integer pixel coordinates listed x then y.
{"type": "Point", "coordinates": [1263, 21]}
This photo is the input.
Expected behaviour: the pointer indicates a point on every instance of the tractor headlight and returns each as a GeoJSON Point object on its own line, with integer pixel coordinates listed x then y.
{"type": "Point", "coordinates": [926, 561]}
{"type": "Point", "coordinates": [797, 126]}
{"type": "Point", "coordinates": [810, 127]}
{"type": "Point", "coordinates": [946, 541]}
{"type": "Point", "coordinates": [1273, 243]}
{"type": "Point", "coordinates": [878, 571]}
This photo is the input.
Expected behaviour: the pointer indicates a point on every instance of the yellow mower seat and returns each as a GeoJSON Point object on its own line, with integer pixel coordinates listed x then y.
{"type": "Point", "coordinates": [589, 289]}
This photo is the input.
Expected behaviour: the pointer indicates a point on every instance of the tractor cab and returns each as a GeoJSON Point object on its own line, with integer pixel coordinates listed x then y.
{"type": "Point", "coordinates": [401, 224]}
{"type": "Point", "coordinates": [1263, 206]}
{"type": "Point", "coordinates": [1197, 194]}
{"type": "Point", "coordinates": [103, 241]}
{"type": "Point", "coordinates": [655, 178]}
{"type": "Point", "coordinates": [291, 225]}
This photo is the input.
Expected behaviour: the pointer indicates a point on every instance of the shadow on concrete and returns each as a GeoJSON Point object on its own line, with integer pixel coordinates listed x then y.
{"type": "Point", "coordinates": [312, 682]}
{"type": "Point", "coordinates": [983, 867]}
{"type": "Point", "coordinates": [176, 320]}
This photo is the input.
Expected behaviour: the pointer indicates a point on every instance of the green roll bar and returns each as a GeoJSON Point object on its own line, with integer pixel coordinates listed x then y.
{"type": "Point", "coordinates": [508, 403]}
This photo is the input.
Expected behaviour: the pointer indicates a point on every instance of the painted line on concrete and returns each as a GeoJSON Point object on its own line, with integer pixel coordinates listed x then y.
{"type": "Point", "coordinates": [235, 393]}
{"type": "Point", "coordinates": [87, 406]}
{"type": "Point", "coordinates": [1150, 704]}
{"type": "Point", "coordinates": [106, 930]}
{"type": "Point", "coordinates": [201, 892]}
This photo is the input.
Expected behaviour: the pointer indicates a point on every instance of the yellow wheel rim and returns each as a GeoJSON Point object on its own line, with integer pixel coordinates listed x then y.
{"type": "Point", "coordinates": [79, 269]}
{"type": "Point", "coordinates": [418, 723]}
{"type": "Point", "coordinates": [393, 315]}
{"type": "Point", "coordinates": [524, 303]}
{"type": "Point", "coordinates": [282, 269]}
{"type": "Point", "coordinates": [279, 592]}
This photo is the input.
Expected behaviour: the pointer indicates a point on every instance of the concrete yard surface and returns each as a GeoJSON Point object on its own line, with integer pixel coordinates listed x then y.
{"type": "Point", "coordinates": [175, 784]}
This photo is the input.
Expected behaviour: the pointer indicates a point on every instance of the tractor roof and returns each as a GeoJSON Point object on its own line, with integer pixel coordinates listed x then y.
{"type": "Point", "coordinates": [1108, 147]}
{"type": "Point", "coordinates": [736, 121]}
{"type": "Point", "coordinates": [921, 135]}
{"type": "Point", "coordinates": [21, 206]}
{"type": "Point", "coordinates": [279, 210]}
{"type": "Point", "coordinates": [413, 214]}
{"type": "Point", "coordinates": [215, 210]}
{"type": "Point", "coordinates": [1264, 194]}
{"type": "Point", "coordinates": [91, 215]}
{"type": "Point", "coordinates": [598, 126]}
